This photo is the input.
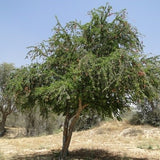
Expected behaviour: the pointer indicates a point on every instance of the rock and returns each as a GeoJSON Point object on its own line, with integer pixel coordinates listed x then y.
{"type": "Point", "coordinates": [131, 132]}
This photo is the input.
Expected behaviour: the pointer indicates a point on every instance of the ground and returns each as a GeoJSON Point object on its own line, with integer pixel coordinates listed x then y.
{"type": "Point", "coordinates": [110, 141]}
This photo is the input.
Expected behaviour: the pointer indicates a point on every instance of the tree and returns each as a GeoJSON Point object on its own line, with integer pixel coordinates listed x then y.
{"type": "Point", "coordinates": [7, 105]}
{"type": "Point", "coordinates": [148, 110]}
{"type": "Point", "coordinates": [93, 66]}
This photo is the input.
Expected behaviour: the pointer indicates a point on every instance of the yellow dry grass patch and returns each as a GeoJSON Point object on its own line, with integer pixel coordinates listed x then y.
{"type": "Point", "coordinates": [31, 145]}
{"type": "Point", "coordinates": [118, 138]}
{"type": "Point", "coordinates": [121, 138]}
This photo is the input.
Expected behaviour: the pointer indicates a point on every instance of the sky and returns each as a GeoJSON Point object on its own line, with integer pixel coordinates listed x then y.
{"type": "Point", "coordinates": [26, 23]}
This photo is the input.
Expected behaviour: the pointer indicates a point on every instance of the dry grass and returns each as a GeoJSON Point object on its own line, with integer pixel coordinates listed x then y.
{"type": "Point", "coordinates": [117, 140]}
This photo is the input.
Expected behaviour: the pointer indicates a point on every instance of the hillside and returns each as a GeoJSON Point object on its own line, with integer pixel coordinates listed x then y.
{"type": "Point", "coordinates": [110, 141]}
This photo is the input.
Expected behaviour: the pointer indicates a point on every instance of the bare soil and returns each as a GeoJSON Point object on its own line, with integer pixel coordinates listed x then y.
{"type": "Point", "coordinates": [110, 141]}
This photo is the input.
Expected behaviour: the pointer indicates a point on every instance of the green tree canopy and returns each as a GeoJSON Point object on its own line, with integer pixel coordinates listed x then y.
{"type": "Point", "coordinates": [93, 66]}
{"type": "Point", "coordinates": [7, 103]}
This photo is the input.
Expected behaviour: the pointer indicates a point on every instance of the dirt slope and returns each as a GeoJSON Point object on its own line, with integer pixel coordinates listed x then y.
{"type": "Point", "coordinates": [111, 140]}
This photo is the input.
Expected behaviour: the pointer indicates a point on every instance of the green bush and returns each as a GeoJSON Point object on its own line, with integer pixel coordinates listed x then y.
{"type": "Point", "coordinates": [154, 118]}
{"type": "Point", "coordinates": [88, 121]}
{"type": "Point", "coordinates": [148, 112]}
{"type": "Point", "coordinates": [150, 117]}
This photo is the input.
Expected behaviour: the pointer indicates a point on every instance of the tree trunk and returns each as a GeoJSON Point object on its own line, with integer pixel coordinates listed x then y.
{"type": "Point", "coordinates": [2, 125]}
{"type": "Point", "coordinates": [66, 140]}
{"type": "Point", "coordinates": [67, 135]}
{"type": "Point", "coordinates": [152, 106]}
{"type": "Point", "coordinates": [69, 125]}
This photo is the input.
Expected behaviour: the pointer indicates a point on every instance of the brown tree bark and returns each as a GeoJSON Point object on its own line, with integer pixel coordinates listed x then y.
{"type": "Point", "coordinates": [64, 151]}
{"type": "Point", "coordinates": [2, 125]}
{"type": "Point", "coordinates": [69, 125]}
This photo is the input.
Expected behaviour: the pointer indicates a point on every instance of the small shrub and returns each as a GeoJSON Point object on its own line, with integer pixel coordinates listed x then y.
{"type": "Point", "coordinates": [154, 118]}
{"type": "Point", "coordinates": [150, 147]}
{"type": "Point", "coordinates": [150, 117]}
{"type": "Point", "coordinates": [137, 119]}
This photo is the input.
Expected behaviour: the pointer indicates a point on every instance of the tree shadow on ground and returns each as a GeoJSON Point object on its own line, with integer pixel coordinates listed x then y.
{"type": "Point", "coordinates": [82, 154]}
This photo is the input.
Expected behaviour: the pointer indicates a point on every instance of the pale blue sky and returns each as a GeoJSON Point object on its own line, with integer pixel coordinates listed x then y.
{"type": "Point", "coordinates": [27, 22]}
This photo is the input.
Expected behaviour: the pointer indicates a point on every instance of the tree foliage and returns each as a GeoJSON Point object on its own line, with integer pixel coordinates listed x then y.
{"type": "Point", "coordinates": [7, 103]}
{"type": "Point", "coordinates": [93, 66]}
